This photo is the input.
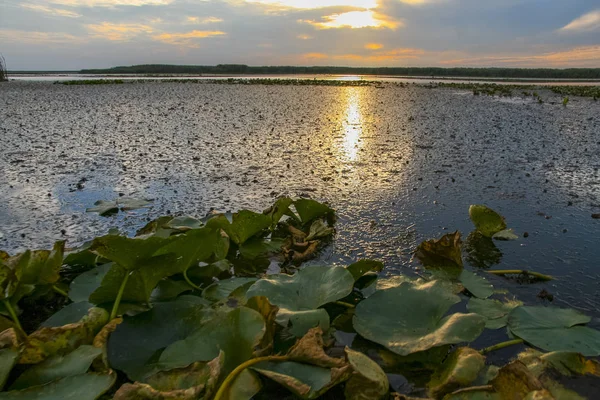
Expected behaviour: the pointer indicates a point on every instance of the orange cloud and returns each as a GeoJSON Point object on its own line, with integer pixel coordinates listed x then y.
{"type": "Point", "coordinates": [118, 32]}
{"type": "Point", "coordinates": [198, 20]}
{"type": "Point", "coordinates": [186, 39]}
{"type": "Point", "coordinates": [304, 37]}
{"type": "Point", "coordinates": [580, 56]}
{"type": "Point", "coordinates": [373, 46]}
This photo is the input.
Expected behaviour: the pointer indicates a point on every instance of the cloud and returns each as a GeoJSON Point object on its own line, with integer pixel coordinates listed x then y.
{"type": "Point", "coordinates": [311, 4]}
{"type": "Point", "coordinates": [206, 20]}
{"type": "Point", "coordinates": [52, 11]}
{"type": "Point", "coordinates": [118, 32]}
{"type": "Point", "coordinates": [111, 3]}
{"type": "Point", "coordinates": [37, 38]}
{"type": "Point", "coordinates": [314, 56]}
{"type": "Point", "coordinates": [587, 22]}
{"type": "Point", "coordinates": [355, 20]}
{"type": "Point", "coordinates": [304, 37]}
{"type": "Point", "coordinates": [187, 39]}
{"type": "Point", "coordinates": [583, 56]}
{"type": "Point", "coordinates": [373, 46]}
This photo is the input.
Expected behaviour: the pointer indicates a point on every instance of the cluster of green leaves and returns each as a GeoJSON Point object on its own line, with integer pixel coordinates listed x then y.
{"type": "Point", "coordinates": [187, 310]}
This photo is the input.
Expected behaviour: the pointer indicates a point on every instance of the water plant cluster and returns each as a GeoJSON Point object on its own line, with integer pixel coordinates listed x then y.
{"type": "Point", "coordinates": [222, 308]}
{"type": "Point", "coordinates": [3, 70]}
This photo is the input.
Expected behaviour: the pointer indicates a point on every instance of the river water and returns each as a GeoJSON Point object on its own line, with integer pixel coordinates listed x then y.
{"type": "Point", "coordinates": [399, 164]}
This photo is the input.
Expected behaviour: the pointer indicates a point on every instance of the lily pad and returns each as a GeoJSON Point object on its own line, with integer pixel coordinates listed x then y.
{"type": "Point", "coordinates": [105, 208]}
{"type": "Point", "coordinates": [361, 267]}
{"type": "Point", "coordinates": [309, 210]}
{"type": "Point", "coordinates": [75, 363]}
{"type": "Point", "coordinates": [78, 387]}
{"type": "Point", "coordinates": [476, 285]}
{"type": "Point", "coordinates": [137, 342]}
{"type": "Point", "coordinates": [506, 234]}
{"type": "Point", "coordinates": [459, 370]}
{"type": "Point", "coordinates": [368, 381]}
{"type": "Point", "coordinates": [319, 229]}
{"type": "Point", "coordinates": [495, 312]}
{"type": "Point", "coordinates": [481, 251]}
{"type": "Point", "coordinates": [86, 283]}
{"type": "Point", "coordinates": [169, 289]}
{"type": "Point", "coordinates": [223, 289]}
{"type": "Point", "coordinates": [8, 358]}
{"type": "Point", "coordinates": [236, 333]}
{"type": "Point", "coordinates": [299, 296]}
{"type": "Point", "coordinates": [183, 223]}
{"type": "Point", "coordinates": [69, 314]}
{"type": "Point", "coordinates": [444, 253]}
{"type": "Point", "coordinates": [555, 329]}
{"type": "Point", "coordinates": [244, 225]}
{"type": "Point", "coordinates": [486, 220]}
{"type": "Point", "coordinates": [419, 323]}
{"type": "Point", "coordinates": [258, 247]}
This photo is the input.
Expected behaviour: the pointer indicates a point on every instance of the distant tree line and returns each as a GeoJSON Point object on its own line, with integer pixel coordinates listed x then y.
{"type": "Point", "coordinates": [548, 73]}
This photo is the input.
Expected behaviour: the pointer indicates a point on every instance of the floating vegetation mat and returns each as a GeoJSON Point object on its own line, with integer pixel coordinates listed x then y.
{"type": "Point", "coordinates": [222, 308]}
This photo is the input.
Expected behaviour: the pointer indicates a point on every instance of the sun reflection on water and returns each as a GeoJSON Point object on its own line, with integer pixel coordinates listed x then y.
{"type": "Point", "coordinates": [352, 125]}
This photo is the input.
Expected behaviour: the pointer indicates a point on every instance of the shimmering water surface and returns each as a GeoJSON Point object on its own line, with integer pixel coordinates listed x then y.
{"type": "Point", "coordinates": [400, 165]}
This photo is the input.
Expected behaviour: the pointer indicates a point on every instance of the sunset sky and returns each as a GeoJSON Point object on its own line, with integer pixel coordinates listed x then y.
{"type": "Point", "coordinates": [75, 34]}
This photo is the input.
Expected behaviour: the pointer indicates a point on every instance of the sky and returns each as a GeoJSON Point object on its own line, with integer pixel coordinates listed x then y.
{"type": "Point", "coordinates": [76, 34]}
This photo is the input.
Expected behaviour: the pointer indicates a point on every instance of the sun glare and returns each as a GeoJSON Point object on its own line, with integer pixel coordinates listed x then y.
{"type": "Point", "coordinates": [352, 125]}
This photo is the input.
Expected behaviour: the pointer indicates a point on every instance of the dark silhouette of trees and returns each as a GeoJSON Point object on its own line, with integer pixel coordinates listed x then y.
{"type": "Point", "coordinates": [3, 71]}
{"type": "Point", "coordinates": [506, 73]}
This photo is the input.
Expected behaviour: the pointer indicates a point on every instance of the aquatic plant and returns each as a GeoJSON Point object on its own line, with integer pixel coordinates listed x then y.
{"type": "Point", "coordinates": [3, 69]}
{"type": "Point", "coordinates": [192, 309]}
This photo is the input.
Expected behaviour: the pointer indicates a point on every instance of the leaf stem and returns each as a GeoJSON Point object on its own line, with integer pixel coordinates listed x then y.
{"type": "Point", "coordinates": [113, 313]}
{"type": "Point", "coordinates": [522, 272]}
{"type": "Point", "coordinates": [501, 346]}
{"type": "Point", "coordinates": [60, 291]}
{"type": "Point", "coordinates": [189, 282]}
{"type": "Point", "coordinates": [13, 315]}
{"type": "Point", "coordinates": [221, 393]}
{"type": "Point", "coordinates": [344, 304]}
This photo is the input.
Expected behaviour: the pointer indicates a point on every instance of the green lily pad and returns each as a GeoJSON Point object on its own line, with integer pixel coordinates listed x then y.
{"type": "Point", "coordinates": [495, 312]}
{"type": "Point", "coordinates": [506, 234]}
{"type": "Point", "coordinates": [486, 220]}
{"type": "Point", "coordinates": [104, 208]}
{"type": "Point", "coordinates": [476, 285]}
{"type": "Point", "coordinates": [319, 229]}
{"type": "Point", "coordinates": [236, 333]}
{"type": "Point", "coordinates": [183, 224]}
{"type": "Point", "coordinates": [555, 329]}
{"type": "Point", "coordinates": [309, 210]}
{"type": "Point", "coordinates": [459, 370]}
{"type": "Point", "coordinates": [69, 314]}
{"type": "Point", "coordinates": [75, 363]}
{"type": "Point", "coordinates": [44, 265]}
{"type": "Point", "coordinates": [245, 386]}
{"type": "Point", "coordinates": [86, 283]}
{"type": "Point", "coordinates": [8, 358]}
{"type": "Point", "coordinates": [305, 381]}
{"type": "Point", "coordinates": [368, 381]}
{"type": "Point", "coordinates": [130, 203]}
{"type": "Point", "coordinates": [223, 289]}
{"type": "Point", "coordinates": [299, 296]}
{"type": "Point", "coordinates": [140, 283]}
{"type": "Point", "coordinates": [361, 267]}
{"type": "Point", "coordinates": [278, 210]}
{"type": "Point", "coordinates": [137, 342]}
{"type": "Point", "coordinates": [258, 247]}
{"type": "Point", "coordinates": [244, 225]}
{"type": "Point", "coordinates": [78, 387]}
{"type": "Point", "coordinates": [169, 289]}
{"type": "Point", "coordinates": [419, 323]}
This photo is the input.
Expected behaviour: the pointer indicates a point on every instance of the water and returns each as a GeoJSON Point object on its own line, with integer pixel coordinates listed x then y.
{"type": "Point", "coordinates": [375, 78]}
{"type": "Point", "coordinates": [400, 165]}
